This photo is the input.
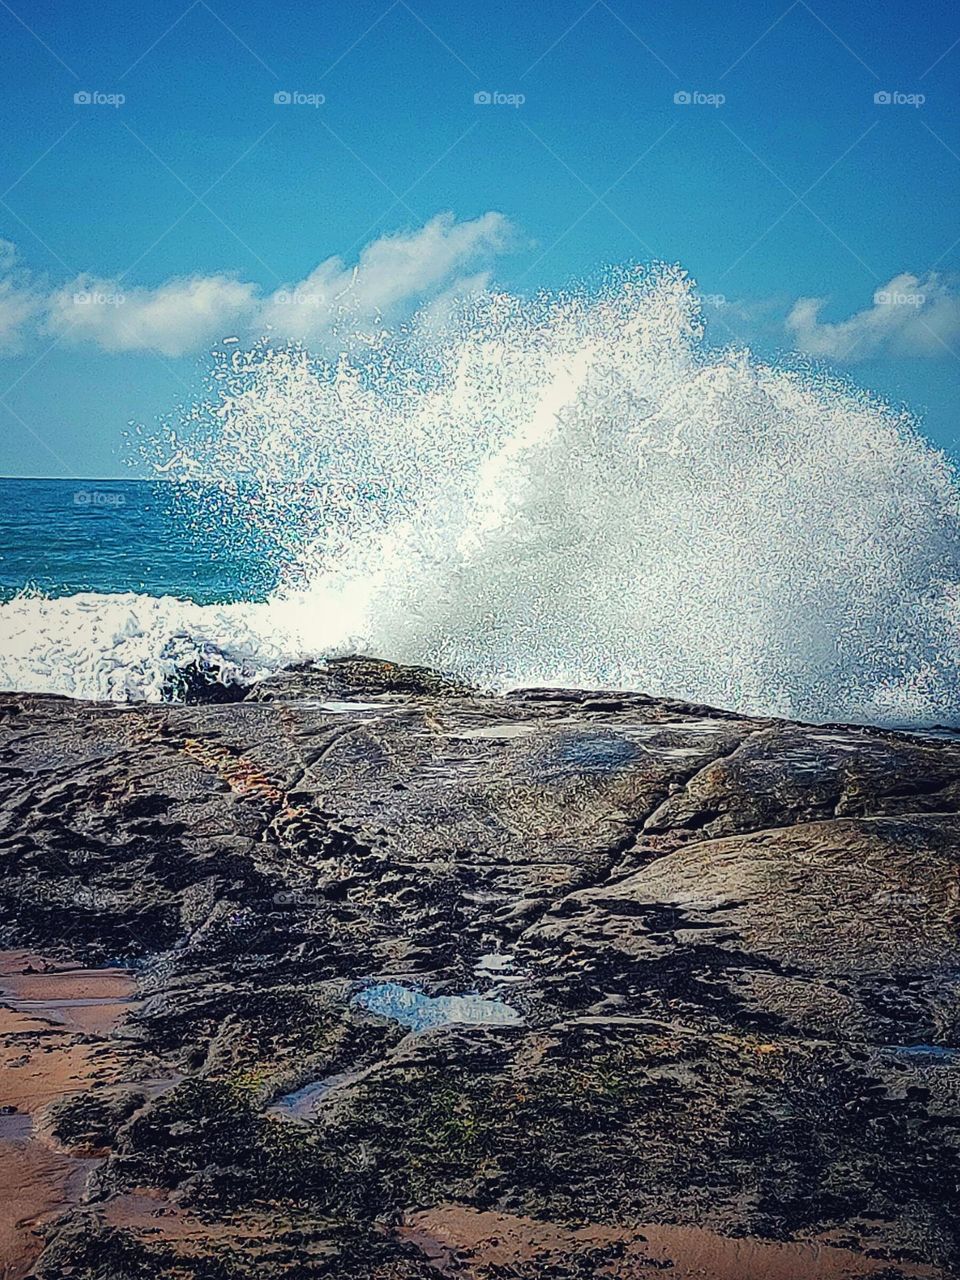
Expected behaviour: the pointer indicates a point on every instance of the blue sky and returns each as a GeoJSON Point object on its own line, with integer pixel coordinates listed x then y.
{"type": "Point", "coordinates": [137, 235]}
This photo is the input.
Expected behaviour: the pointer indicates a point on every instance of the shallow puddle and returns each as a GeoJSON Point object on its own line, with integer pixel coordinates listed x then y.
{"type": "Point", "coordinates": [924, 1054]}
{"type": "Point", "coordinates": [15, 1126]}
{"type": "Point", "coordinates": [344, 708]}
{"type": "Point", "coordinates": [413, 1009]}
{"type": "Point", "coordinates": [499, 732]}
{"type": "Point", "coordinates": [303, 1103]}
{"type": "Point", "coordinates": [600, 752]}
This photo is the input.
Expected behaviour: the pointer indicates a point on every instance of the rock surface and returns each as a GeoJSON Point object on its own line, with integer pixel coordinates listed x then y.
{"type": "Point", "coordinates": [718, 963]}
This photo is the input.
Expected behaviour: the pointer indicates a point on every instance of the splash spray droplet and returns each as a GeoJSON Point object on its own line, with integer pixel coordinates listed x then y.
{"type": "Point", "coordinates": [577, 490]}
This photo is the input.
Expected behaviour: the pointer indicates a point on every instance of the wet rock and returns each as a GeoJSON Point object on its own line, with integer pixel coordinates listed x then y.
{"type": "Point", "coordinates": [729, 948]}
{"type": "Point", "coordinates": [87, 1123]}
{"type": "Point", "coordinates": [202, 681]}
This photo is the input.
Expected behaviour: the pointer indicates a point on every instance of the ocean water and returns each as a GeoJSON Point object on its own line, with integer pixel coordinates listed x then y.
{"type": "Point", "coordinates": [567, 490]}
{"type": "Point", "coordinates": [62, 537]}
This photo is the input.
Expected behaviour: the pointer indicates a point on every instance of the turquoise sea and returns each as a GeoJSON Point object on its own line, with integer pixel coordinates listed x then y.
{"type": "Point", "coordinates": [62, 537]}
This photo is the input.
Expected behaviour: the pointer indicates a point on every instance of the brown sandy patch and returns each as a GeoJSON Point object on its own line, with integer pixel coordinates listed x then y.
{"type": "Point", "coordinates": [148, 1212]}
{"type": "Point", "coordinates": [53, 1025]}
{"type": "Point", "coordinates": [17, 960]}
{"type": "Point", "coordinates": [94, 1001]}
{"type": "Point", "coordinates": [248, 1238]}
{"type": "Point", "coordinates": [36, 1183]}
{"type": "Point", "coordinates": [468, 1243]}
{"type": "Point", "coordinates": [40, 1062]}
{"type": "Point", "coordinates": [241, 775]}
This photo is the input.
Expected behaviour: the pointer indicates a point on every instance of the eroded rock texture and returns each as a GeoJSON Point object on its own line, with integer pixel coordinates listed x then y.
{"type": "Point", "coordinates": [733, 945]}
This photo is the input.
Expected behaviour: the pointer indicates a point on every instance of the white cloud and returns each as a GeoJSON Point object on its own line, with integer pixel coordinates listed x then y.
{"type": "Point", "coordinates": [19, 306]}
{"type": "Point", "coordinates": [429, 267]}
{"type": "Point", "coordinates": [910, 316]}
{"type": "Point", "coordinates": [391, 275]}
{"type": "Point", "coordinates": [20, 301]}
{"type": "Point", "coordinates": [173, 319]}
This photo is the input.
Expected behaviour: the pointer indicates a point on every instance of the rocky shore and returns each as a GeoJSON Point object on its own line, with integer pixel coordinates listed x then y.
{"type": "Point", "coordinates": [370, 975]}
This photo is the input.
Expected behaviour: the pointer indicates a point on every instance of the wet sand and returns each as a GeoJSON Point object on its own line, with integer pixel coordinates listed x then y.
{"type": "Point", "coordinates": [472, 1244]}
{"type": "Point", "coordinates": [148, 1211]}
{"type": "Point", "coordinates": [36, 1183]}
{"type": "Point", "coordinates": [94, 1001]}
{"type": "Point", "coordinates": [54, 1024]}
{"type": "Point", "coordinates": [148, 1215]}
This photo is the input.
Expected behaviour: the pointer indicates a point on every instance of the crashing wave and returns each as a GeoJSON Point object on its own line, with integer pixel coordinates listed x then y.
{"type": "Point", "coordinates": [574, 489]}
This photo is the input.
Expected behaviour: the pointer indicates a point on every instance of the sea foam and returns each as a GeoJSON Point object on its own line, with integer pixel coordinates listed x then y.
{"type": "Point", "coordinates": [570, 490]}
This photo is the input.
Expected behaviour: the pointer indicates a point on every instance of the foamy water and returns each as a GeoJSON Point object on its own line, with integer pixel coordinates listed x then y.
{"type": "Point", "coordinates": [570, 490]}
